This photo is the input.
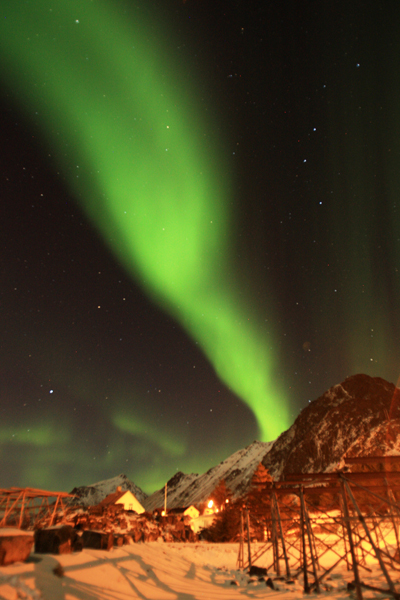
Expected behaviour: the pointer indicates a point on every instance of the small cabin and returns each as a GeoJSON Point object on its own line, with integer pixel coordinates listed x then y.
{"type": "Point", "coordinates": [124, 498]}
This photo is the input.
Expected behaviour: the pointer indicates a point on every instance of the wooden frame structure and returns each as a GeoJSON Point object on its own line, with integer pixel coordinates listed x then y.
{"type": "Point", "coordinates": [318, 521]}
{"type": "Point", "coordinates": [29, 508]}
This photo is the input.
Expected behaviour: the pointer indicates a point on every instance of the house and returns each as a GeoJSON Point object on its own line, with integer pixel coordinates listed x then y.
{"type": "Point", "coordinates": [189, 511]}
{"type": "Point", "coordinates": [124, 498]}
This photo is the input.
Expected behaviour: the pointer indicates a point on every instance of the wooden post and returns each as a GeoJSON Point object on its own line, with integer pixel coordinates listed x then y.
{"type": "Point", "coordinates": [273, 535]}
{"type": "Point", "coordinates": [12, 505]}
{"type": "Point", "coordinates": [54, 511]}
{"type": "Point", "coordinates": [350, 538]}
{"type": "Point", "coordinates": [248, 536]}
{"type": "Point", "coordinates": [369, 536]}
{"type": "Point", "coordinates": [275, 544]}
{"type": "Point", "coordinates": [278, 514]}
{"type": "Point", "coordinates": [21, 514]}
{"type": "Point", "coordinates": [310, 541]}
{"type": "Point", "coordinates": [303, 545]}
{"type": "Point", "coordinates": [4, 519]}
{"type": "Point", "coordinates": [240, 560]}
{"type": "Point", "coordinates": [344, 529]}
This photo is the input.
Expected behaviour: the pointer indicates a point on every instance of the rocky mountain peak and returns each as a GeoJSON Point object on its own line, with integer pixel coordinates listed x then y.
{"type": "Point", "coordinates": [329, 426]}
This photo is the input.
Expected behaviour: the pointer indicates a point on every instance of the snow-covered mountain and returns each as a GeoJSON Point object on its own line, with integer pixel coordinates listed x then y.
{"type": "Point", "coordinates": [359, 417]}
{"type": "Point", "coordinates": [237, 471]}
{"type": "Point", "coordinates": [90, 495]}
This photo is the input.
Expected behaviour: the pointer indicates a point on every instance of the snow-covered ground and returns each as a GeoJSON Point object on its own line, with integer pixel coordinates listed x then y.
{"type": "Point", "coordinates": [162, 571]}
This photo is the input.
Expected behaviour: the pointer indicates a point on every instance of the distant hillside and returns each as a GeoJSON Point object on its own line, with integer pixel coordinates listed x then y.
{"type": "Point", "coordinates": [237, 471]}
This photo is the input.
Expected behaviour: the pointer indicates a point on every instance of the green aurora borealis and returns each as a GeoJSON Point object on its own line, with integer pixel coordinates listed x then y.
{"type": "Point", "coordinates": [145, 178]}
{"type": "Point", "coordinates": [126, 127]}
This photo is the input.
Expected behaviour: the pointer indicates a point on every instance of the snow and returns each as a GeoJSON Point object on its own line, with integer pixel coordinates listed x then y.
{"type": "Point", "coordinates": [6, 531]}
{"type": "Point", "coordinates": [161, 571]}
{"type": "Point", "coordinates": [336, 395]}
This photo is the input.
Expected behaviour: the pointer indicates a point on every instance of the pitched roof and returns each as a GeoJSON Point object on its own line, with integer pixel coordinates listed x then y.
{"type": "Point", "coordinates": [113, 498]}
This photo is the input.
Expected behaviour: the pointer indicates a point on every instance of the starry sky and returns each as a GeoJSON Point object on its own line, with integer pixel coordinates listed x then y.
{"type": "Point", "coordinates": [199, 226]}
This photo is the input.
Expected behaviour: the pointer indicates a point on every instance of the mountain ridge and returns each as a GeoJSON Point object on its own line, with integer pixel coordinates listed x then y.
{"type": "Point", "coordinates": [236, 470]}
{"type": "Point", "coordinates": [358, 417]}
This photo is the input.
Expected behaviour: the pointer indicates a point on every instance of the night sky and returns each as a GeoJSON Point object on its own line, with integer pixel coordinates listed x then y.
{"type": "Point", "coordinates": [200, 227]}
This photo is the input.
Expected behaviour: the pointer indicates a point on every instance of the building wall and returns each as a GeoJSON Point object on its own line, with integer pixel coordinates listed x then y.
{"type": "Point", "coordinates": [130, 502]}
{"type": "Point", "coordinates": [192, 512]}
